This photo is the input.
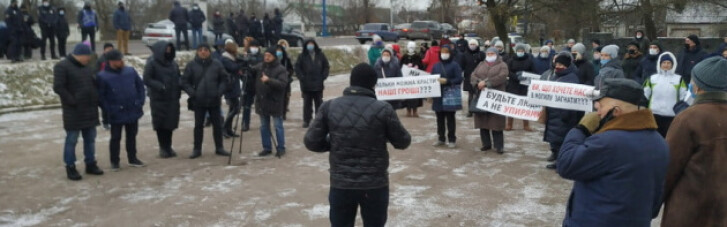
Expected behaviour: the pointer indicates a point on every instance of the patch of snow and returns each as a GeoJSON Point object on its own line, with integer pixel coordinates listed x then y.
{"type": "Point", "coordinates": [318, 211]}
{"type": "Point", "coordinates": [223, 186]}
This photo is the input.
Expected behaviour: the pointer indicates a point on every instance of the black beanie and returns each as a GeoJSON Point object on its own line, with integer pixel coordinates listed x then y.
{"type": "Point", "coordinates": [114, 55]}
{"type": "Point", "coordinates": [272, 51]}
{"type": "Point", "coordinates": [204, 45]}
{"type": "Point", "coordinates": [107, 45]}
{"type": "Point", "coordinates": [363, 75]}
{"type": "Point", "coordinates": [563, 59]}
{"type": "Point", "coordinates": [694, 39]}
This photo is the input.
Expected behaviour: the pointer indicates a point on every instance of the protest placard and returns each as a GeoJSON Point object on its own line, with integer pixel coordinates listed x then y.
{"type": "Point", "coordinates": [530, 77]}
{"type": "Point", "coordinates": [408, 71]}
{"type": "Point", "coordinates": [509, 105]}
{"type": "Point", "coordinates": [412, 87]}
{"type": "Point", "coordinates": [560, 95]}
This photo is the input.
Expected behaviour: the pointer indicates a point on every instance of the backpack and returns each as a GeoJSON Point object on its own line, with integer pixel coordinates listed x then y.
{"type": "Point", "coordinates": [89, 18]}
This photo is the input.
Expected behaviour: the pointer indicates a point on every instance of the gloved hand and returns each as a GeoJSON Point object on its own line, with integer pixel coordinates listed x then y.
{"type": "Point", "coordinates": [520, 76]}
{"type": "Point", "coordinates": [590, 123]}
{"type": "Point", "coordinates": [443, 80]}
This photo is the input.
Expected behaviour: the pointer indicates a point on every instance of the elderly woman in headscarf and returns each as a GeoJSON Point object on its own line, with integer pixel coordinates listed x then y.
{"type": "Point", "coordinates": [491, 74]}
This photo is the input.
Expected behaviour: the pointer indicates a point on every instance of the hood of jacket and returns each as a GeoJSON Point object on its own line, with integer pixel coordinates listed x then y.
{"type": "Point", "coordinates": [159, 51]}
{"type": "Point", "coordinates": [673, 67]}
{"type": "Point", "coordinates": [316, 49]}
{"type": "Point", "coordinates": [571, 69]}
{"type": "Point", "coordinates": [359, 91]}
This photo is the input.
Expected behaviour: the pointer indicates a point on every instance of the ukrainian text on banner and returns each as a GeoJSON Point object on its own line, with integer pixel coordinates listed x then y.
{"type": "Point", "coordinates": [560, 95]}
{"type": "Point", "coordinates": [412, 87]}
{"type": "Point", "coordinates": [408, 71]}
{"type": "Point", "coordinates": [509, 105]}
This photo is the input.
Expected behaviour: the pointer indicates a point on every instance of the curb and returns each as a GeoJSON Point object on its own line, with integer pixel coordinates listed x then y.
{"type": "Point", "coordinates": [28, 108]}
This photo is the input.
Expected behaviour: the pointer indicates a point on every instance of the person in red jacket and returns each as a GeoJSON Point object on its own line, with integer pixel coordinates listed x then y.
{"type": "Point", "coordinates": [431, 58]}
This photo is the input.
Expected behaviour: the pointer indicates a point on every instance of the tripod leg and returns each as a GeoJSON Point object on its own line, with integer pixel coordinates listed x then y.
{"type": "Point", "coordinates": [234, 130]}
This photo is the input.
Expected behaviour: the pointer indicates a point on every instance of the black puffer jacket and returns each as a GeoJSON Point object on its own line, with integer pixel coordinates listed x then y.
{"type": "Point", "coordinates": [76, 86]}
{"type": "Point", "coordinates": [560, 121]}
{"type": "Point", "coordinates": [519, 64]}
{"type": "Point", "coordinates": [162, 77]}
{"type": "Point", "coordinates": [355, 129]}
{"type": "Point", "coordinates": [469, 61]}
{"type": "Point", "coordinates": [205, 81]}
{"type": "Point", "coordinates": [270, 95]}
{"type": "Point", "coordinates": [586, 73]}
{"type": "Point", "coordinates": [232, 66]}
{"type": "Point", "coordinates": [312, 71]}
{"type": "Point", "coordinates": [179, 16]}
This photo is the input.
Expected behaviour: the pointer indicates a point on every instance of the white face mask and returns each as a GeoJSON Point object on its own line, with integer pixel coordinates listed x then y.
{"type": "Point", "coordinates": [254, 50]}
{"type": "Point", "coordinates": [490, 58]}
{"type": "Point", "coordinates": [46, 4]}
{"type": "Point", "coordinates": [473, 47]}
{"type": "Point", "coordinates": [195, 8]}
{"type": "Point", "coordinates": [385, 59]}
{"type": "Point", "coordinates": [445, 56]}
{"type": "Point", "coordinates": [653, 51]}
{"type": "Point", "coordinates": [61, 12]}
{"type": "Point", "coordinates": [544, 54]}
{"type": "Point", "coordinates": [410, 50]}
{"type": "Point", "coordinates": [638, 37]}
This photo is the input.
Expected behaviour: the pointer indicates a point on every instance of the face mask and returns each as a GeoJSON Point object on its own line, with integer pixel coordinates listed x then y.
{"type": "Point", "coordinates": [653, 51]}
{"type": "Point", "coordinates": [195, 8]}
{"type": "Point", "coordinates": [490, 59]}
{"type": "Point", "coordinates": [473, 47]}
{"type": "Point", "coordinates": [168, 55]}
{"type": "Point", "coordinates": [557, 70]}
{"type": "Point", "coordinates": [254, 50]}
{"type": "Point", "coordinates": [87, 7]}
{"type": "Point", "coordinates": [604, 61]}
{"type": "Point", "coordinates": [638, 37]}
{"type": "Point", "coordinates": [410, 51]}
{"type": "Point", "coordinates": [520, 54]}
{"type": "Point", "coordinates": [379, 43]}
{"type": "Point", "coordinates": [279, 54]}
{"type": "Point", "coordinates": [691, 91]}
{"type": "Point", "coordinates": [46, 4]}
{"type": "Point", "coordinates": [543, 54]}
{"type": "Point", "coordinates": [385, 59]}
{"type": "Point", "coordinates": [61, 13]}
{"type": "Point", "coordinates": [632, 51]}
{"type": "Point", "coordinates": [445, 56]}
{"type": "Point", "coordinates": [596, 56]}
{"type": "Point", "coordinates": [310, 47]}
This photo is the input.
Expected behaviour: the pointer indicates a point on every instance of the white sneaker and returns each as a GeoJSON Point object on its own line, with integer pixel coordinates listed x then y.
{"type": "Point", "coordinates": [451, 145]}
{"type": "Point", "coordinates": [438, 143]}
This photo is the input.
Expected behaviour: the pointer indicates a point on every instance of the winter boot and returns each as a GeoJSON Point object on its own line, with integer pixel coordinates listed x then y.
{"type": "Point", "coordinates": [509, 124]}
{"type": "Point", "coordinates": [414, 113]}
{"type": "Point", "coordinates": [280, 153]}
{"type": "Point", "coordinates": [72, 173]}
{"type": "Point", "coordinates": [92, 168]}
{"type": "Point", "coordinates": [222, 152]}
{"type": "Point", "coordinates": [195, 154]}
{"type": "Point", "coordinates": [264, 153]}
{"type": "Point", "coordinates": [135, 162]}
{"type": "Point", "coordinates": [408, 112]}
{"type": "Point", "coordinates": [526, 126]}
{"type": "Point", "coordinates": [164, 153]}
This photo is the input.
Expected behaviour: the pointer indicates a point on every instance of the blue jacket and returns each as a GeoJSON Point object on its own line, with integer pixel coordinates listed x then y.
{"type": "Point", "coordinates": [179, 16]}
{"type": "Point", "coordinates": [541, 64]}
{"type": "Point", "coordinates": [121, 95]}
{"type": "Point", "coordinates": [87, 18]}
{"type": "Point", "coordinates": [122, 20]}
{"type": "Point", "coordinates": [560, 121]}
{"type": "Point", "coordinates": [687, 59]}
{"type": "Point", "coordinates": [618, 180]}
{"type": "Point", "coordinates": [196, 18]}
{"type": "Point", "coordinates": [453, 75]}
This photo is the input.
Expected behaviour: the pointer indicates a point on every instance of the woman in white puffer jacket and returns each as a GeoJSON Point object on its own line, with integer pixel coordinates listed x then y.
{"type": "Point", "coordinates": [664, 89]}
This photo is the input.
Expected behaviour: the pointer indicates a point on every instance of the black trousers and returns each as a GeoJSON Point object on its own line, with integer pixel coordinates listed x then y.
{"type": "Point", "coordinates": [15, 48]}
{"type": "Point", "coordinates": [234, 105]}
{"type": "Point", "coordinates": [663, 122]}
{"type": "Point", "coordinates": [62, 45]}
{"type": "Point", "coordinates": [89, 32]}
{"type": "Point", "coordinates": [310, 98]}
{"type": "Point", "coordinates": [179, 32]}
{"type": "Point", "coordinates": [164, 136]}
{"type": "Point", "coordinates": [199, 116]}
{"type": "Point", "coordinates": [27, 52]}
{"type": "Point", "coordinates": [497, 136]}
{"type": "Point", "coordinates": [114, 145]}
{"type": "Point", "coordinates": [446, 118]}
{"type": "Point", "coordinates": [345, 202]}
{"type": "Point", "coordinates": [470, 98]}
{"type": "Point", "coordinates": [48, 35]}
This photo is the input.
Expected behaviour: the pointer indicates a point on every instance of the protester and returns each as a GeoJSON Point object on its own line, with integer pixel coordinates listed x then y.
{"type": "Point", "coordinates": [277, 24]}
{"type": "Point", "coordinates": [62, 31]}
{"type": "Point", "coordinates": [162, 76]}
{"type": "Point", "coordinates": [218, 25]}
{"type": "Point", "coordinates": [617, 181]}
{"type": "Point", "coordinates": [569, 45]}
{"type": "Point", "coordinates": [205, 80]}
{"type": "Point", "coordinates": [631, 61]}
{"type": "Point", "coordinates": [252, 57]}
{"type": "Point", "coordinates": [689, 57]}
{"type": "Point", "coordinates": [597, 60]}
{"type": "Point", "coordinates": [559, 121]}
{"type": "Point", "coordinates": [88, 22]}
{"type": "Point", "coordinates": [256, 29]}
{"type": "Point", "coordinates": [270, 86]}
{"type": "Point", "coordinates": [242, 23]}
{"type": "Point", "coordinates": [180, 17]}
{"type": "Point", "coordinates": [375, 49]}
{"type": "Point", "coordinates": [355, 129]}
{"type": "Point", "coordinates": [550, 43]}
{"type": "Point", "coordinates": [610, 66]}
{"type": "Point", "coordinates": [450, 76]}
{"type": "Point", "coordinates": [268, 31]}
{"type": "Point", "coordinates": [121, 94]}
{"type": "Point", "coordinates": [646, 66]}
{"type": "Point", "coordinates": [595, 43]}
{"type": "Point", "coordinates": [469, 60]}
{"type": "Point", "coordinates": [74, 82]}
{"type": "Point", "coordinates": [462, 44]}
{"type": "Point", "coordinates": [412, 59]}
{"type": "Point", "coordinates": [586, 73]}
{"type": "Point", "coordinates": [48, 22]}
{"type": "Point", "coordinates": [388, 66]}
{"type": "Point", "coordinates": [196, 19]}
{"type": "Point", "coordinates": [500, 47]}
{"type": "Point", "coordinates": [219, 49]}
{"type": "Point", "coordinates": [282, 54]}
{"type": "Point", "coordinates": [14, 21]}
{"type": "Point", "coordinates": [542, 61]}
{"type": "Point", "coordinates": [312, 69]}
{"type": "Point", "coordinates": [664, 89]}
{"type": "Point", "coordinates": [122, 24]}
{"type": "Point", "coordinates": [232, 64]}
{"type": "Point", "coordinates": [492, 74]}
{"type": "Point", "coordinates": [232, 28]}
{"type": "Point", "coordinates": [102, 62]}
{"type": "Point", "coordinates": [431, 57]}
{"type": "Point", "coordinates": [30, 39]}
{"type": "Point", "coordinates": [521, 62]}
{"type": "Point", "coordinates": [695, 186]}
{"type": "Point", "coordinates": [642, 41]}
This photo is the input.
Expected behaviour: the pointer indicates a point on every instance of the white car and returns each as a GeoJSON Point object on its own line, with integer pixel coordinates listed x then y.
{"type": "Point", "coordinates": [164, 31]}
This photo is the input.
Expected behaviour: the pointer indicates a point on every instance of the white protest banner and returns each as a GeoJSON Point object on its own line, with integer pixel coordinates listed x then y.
{"type": "Point", "coordinates": [509, 105]}
{"type": "Point", "coordinates": [530, 76]}
{"type": "Point", "coordinates": [560, 95]}
{"type": "Point", "coordinates": [413, 87]}
{"type": "Point", "coordinates": [408, 71]}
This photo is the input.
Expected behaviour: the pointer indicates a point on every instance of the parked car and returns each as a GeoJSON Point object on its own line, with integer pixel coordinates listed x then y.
{"type": "Point", "coordinates": [402, 30]}
{"type": "Point", "coordinates": [514, 39]}
{"type": "Point", "coordinates": [448, 29]}
{"type": "Point", "coordinates": [293, 35]}
{"type": "Point", "coordinates": [426, 30]}
{"type": "Point", "coordinates": [164, 31]}
{"type": "Point", "coordinates": [369, 30]}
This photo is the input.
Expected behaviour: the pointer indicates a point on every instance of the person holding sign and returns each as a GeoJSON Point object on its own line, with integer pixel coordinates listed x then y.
{"type": "Point", "coordinates": [664, 90]}
{"type": "Point", "coordinates": [446, 106]}
{"type": "Point", "coordinates": [469, 61]}
{"type": "Point", "coordinates": [521, 62]}
{"type": "Point", "coordinates": [559, 121]}
{"type": "Point", "coordinates": [412, 59]}
{"type": "Point", "coordinates": [388, 66]}
{"type": "Point", "coordinates": [490, 74]}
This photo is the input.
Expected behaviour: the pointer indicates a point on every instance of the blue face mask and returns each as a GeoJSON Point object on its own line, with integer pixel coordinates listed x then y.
{"type": "Point", "coordinates": [279, 54]}
{"type": "Point", "coordinates": [310, 47]}
{"type": "Point", "coordinates": [520, 54]}
{"type": "Point", "coordinates": [691, 91]}
{"type": "Point", "coordinates": [379, 43]}
{"type": "Point", "coordinates": [604, 61]}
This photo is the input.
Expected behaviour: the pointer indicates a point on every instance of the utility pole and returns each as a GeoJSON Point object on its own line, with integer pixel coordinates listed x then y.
{"type": "Point", "coordinates": [324, 29]}
{"type": "Point", "coordinates": [391, 14]}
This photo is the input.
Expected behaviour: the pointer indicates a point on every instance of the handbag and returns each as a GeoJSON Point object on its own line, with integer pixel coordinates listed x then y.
{"type": "Point", "coordinates": [681, 105]}
{"type": "Point", "coordinates": [451, 95]}
{"type": "Point", "coordinates": [473, 105]}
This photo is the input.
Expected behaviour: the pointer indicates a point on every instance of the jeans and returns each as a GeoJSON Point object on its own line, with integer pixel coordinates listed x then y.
{"type": "Point", "coordinates": [216, 119]}
{"type": "Point", "coordinates": [196, 37]}
{"type": "Point", "coordinates": [497, 136]}
{"type": "Point", "coordinates": [48, 34]}
{"type": "Point", "coordinates": [234, 105]}
{"type": "Point", "coordinates": [114, 145]}
{"type": "Point", "coordinates": [448, 118]}
{"type": "Point", "coordinates": [89, 145]}
{"type": "Point", "coordinates": [265, 133]}
{"type": "Point", "coordinates": [179, 32]}
{"type": "Point", "coordinates": [247, 102]}
{"type": "Point", "coordinates": [122, 40]}
{"type": "Point", "coordinates": [218, 36]}
{"type": "Point", "coordinates": [89, 32]}
{"type": "Point", "coordinates": [345, 202]}
{"type": "Point", "coordinates": [310, 98]}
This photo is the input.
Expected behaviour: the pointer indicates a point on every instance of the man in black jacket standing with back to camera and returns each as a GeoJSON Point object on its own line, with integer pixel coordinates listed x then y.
{"type": "Point", "coordinates": [180, 17]}
{"type": "Point", "coordinates": [355, 129]}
